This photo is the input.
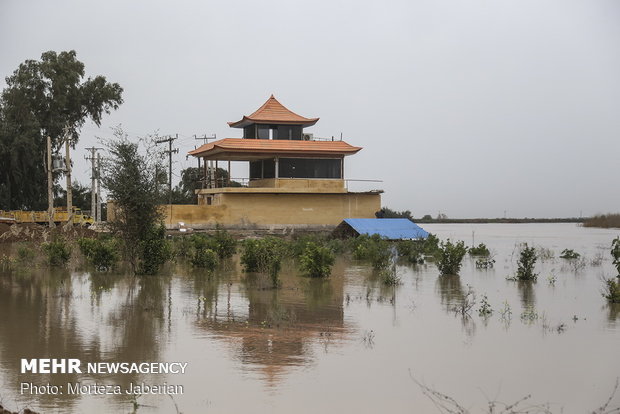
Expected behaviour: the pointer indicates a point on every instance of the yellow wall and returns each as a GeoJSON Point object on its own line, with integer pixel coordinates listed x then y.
{"type": "Point", "coordinates": [300, 183]}
{"type": "Point", "coordinates": [247, 210]}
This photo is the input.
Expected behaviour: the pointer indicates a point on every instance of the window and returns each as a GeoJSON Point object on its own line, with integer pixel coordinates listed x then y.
{"type": "Point", "coordinates": [310, 168]}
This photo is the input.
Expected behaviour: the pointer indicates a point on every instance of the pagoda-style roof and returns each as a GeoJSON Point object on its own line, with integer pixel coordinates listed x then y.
{"type": "Point", "coordinates": [240, 149]}
{"type": "Point", "coordinates": [273, 112]}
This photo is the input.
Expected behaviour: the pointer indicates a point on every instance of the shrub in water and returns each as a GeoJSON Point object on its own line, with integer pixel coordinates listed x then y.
{"type": "Point", "coordinates": [316, 261]}
{"type": "Point", "coordinates": [615, 254]}
{"type": "Point", "coordinates": [411, 250]}
{"type": "Point", "coordinates": [223, 244]}
{"type": "Point", "coordinates": [102, 253]}
{"type": "Point", "coordinates": [450, 257]}
{"type": "Point", "coordinates": [480, 250]}
{"type": "Point", "coordinates": [525, 266]}
{"type": "Point", "coordinates": [569, 254]}
{"type": "Point", "coordinates": [374, 249]}
{"type": "Point", "coordinates": [155, 250]}
{"type": "Point", "coordinates": [263, 255]}
{"type": "Point", "coordinates": [204, 258]}
{"type": "Point", "coordinates": [58, 252]}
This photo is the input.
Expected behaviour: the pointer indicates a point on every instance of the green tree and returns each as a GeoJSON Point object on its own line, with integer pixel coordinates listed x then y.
{"type": "Point", "coordinates": [42, 98]}
{"type": "Point", "coordinates": [131, 179]}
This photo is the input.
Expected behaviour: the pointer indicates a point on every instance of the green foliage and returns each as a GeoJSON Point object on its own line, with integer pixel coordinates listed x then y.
{"type": "Point", "coordinates": [612, 290]}
{"type": "Point", "coordinates": [204, 258]}
{"type": "Point", "coordinates": [373, 249]}
{"type": "Point", "coordinates": [615, 254]}
{"type": "Point", "coordinates": [42, 98]}
{"type": "Point", "coordinates": [525, 265]}
{"type": "Point", "coordinates": [431, 246]}
{"type": "Point", "coordinates": [450, 257]}
{"type": "Point", "coordinates": [264, 255]}
{"type": "Point", "coordinates": [389, 276]}
{"type": "Point", "coordinates": [485, 309]}
{"type": "Point", "coordinates": [154, 250]}
{"type": "Point", "coordinates": [182, 246]}
{"type": "Point", "coordinates": [480, 250]}
{"type": "Point", "coordinates": [316, 260]}
{"type": "Point", "coordinates": [569, 254]}
{"type": "Point", "coordinates": [222, 243]}
{"type": "Point", "coordinates": [25, 253]}
{"type": "Point", "coordinates": [58, 252]}
{"type": "Point", "coordinates": [102, 253]}
{"type": "Point", "coordinates": [131, 179]}
{"type": "Point", "coordinates": [411, 250]}
{"type": "Point", "coordinates": [389, 213]}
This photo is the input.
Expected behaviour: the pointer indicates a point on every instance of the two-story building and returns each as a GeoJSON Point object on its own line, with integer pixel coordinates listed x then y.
{"type": "Point", "coordinates": [295, 179]}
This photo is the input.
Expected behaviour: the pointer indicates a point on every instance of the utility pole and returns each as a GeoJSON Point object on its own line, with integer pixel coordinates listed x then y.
{"type": "Point", "coordinates": [50, 183]}
{"type": "Point", "coordinates": [99, 188]}
{"type": "Point", "coordinates": [169, 151]}
{"type": "Point", "coordinates": [94, 156]}
{"type": "Point", "coordinates": [209, 172]}
{"type": "Point", "coordinates": [68, 174]}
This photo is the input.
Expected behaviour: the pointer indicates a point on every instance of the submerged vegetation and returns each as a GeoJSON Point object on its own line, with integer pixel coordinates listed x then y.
{"type": "Point", "coordinates": [58, 252]}
{"type": "Point", "coordinates": [316, 260]}
{"type": "Point", "coordinates": [451, 257]}
{"type": "Point", "coordinates": [480, 250]}
{"type": "Point", "coordinates": [611, 290]}
{"type": "Point", "coordinates": [526, 263]}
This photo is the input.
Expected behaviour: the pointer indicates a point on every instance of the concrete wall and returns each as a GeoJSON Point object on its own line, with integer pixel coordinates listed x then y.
{"type": "Point", "coordinates": [247, 210]}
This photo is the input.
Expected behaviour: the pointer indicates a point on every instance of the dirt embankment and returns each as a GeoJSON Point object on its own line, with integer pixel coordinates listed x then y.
{"type": "Point", "coordinates": [37, 233]}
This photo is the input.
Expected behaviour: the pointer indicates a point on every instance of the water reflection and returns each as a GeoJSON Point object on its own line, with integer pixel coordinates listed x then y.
{"type": "Point", "coordinates": [272, 330]}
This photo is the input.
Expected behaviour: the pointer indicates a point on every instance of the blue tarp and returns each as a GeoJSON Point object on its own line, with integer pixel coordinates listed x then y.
{"type": "Point", "coordinates": [391, 229]}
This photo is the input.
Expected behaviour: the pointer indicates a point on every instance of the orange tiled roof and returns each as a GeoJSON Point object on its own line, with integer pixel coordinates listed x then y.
{"type": "Point", "coordinates": [273, 112]}
{"type": "Point", "coordinates": [239, 146]}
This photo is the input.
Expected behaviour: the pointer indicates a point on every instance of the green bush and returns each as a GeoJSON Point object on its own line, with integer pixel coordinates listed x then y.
{"type": "Point", "coordinates": [525, 265]}
{"type": "Point", "coordinates": [204, 258]}
{"type": "Point", "coordinates": [316, 261]}
{"type": "Point", "coordinates": [480, 250]}
{"type": "Point", "coordinates": [182, 246]}
{"type": "Point", "coordinates": [154, 251]}
{"type": "Point", "coordinates": [450, 257]}
{"type": "Point", "coordinates": [87, 246]}
{"type": "Point", "coordinates": [615, 254]}
{"type": "Point", "coordinates": [58, 252]}
{"type": "Point", "coordinates": [569, 254]}
{"type": "Point", "coordinates": [223, 244]}
{"type": "Point", "coordinates": [373, 249]}
{"type": "Point", "coordinates": [264, 256]}
{"type": "Point", "coordinates": [612, 290]}
{"type": "Point", "coordinates": [25, 253]}
{"type": "Point", "coordinates": [102, 253]}
{"type": "Point", "coordinates": [411, 250]}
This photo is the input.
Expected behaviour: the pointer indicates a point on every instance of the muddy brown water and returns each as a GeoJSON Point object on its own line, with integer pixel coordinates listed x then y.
{"type": "Point", "coordinates": [348, 344]}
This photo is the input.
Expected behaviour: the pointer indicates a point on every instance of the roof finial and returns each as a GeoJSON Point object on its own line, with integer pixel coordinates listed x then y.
{"type": "Point", "coordinates": [272, 97]}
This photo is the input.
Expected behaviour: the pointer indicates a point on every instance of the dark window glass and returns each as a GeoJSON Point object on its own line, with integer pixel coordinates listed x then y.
{"type": "Point", "coordinates": [309, 168]}
{"type": "Point", "coordinates": [263, 131]}
{"type": "Point", "coordinates": [249, 131]}
{"type": "Point", "coordinates": [255, 169]}
{"type": "Point", "coordinates": [269, 169]}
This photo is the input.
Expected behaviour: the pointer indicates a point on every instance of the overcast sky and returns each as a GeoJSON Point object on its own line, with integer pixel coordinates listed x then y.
{"type": "Point", "coordinates": [469, 108]}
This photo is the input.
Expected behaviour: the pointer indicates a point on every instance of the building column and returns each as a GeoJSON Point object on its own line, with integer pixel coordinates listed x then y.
{"type": "Point", "coordinates": [277, 173]}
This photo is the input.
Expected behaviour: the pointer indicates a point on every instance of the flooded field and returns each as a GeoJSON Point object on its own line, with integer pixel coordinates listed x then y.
{"type": "Point", "coordinates": [346, 344]}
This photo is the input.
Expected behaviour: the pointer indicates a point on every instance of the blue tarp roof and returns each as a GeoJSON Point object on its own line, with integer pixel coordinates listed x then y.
{"type": "Point", "coordinates": [388, 228]}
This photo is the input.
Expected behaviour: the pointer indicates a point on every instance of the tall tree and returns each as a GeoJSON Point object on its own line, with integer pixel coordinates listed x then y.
{"type": "Point", "coordinates": [43, 97]}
